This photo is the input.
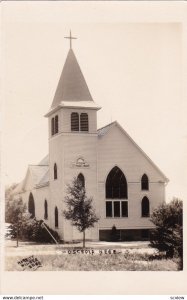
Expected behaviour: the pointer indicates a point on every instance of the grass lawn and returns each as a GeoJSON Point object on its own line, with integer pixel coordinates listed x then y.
{"type": "Point", "coordinates": [55, 258]}
{"type": "Point", "coordinates": [94, 263]}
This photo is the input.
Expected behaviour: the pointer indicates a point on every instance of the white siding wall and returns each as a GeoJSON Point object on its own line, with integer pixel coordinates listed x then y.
{"type": "Point", "coordinates": [56, 155]}
{"type": "Point", "coordinates": [116, 149]}
{"type": "Point", "coordinates": [64, 149]}
{"type": "Point", "coordinates": [39, 196]}
{"type": "Point", "coordinates": [64, 119]}
{"type": "Point", "coordinates": [102, 154]}
{"type": "Point", "coordinates": [86, 146]}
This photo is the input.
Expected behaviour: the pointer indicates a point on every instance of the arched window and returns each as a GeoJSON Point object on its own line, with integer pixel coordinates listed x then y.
{"type": "Point", "coordinates": [74, 121]}
{"type": "Point", "coordinates": [145, 182]}
{"type": "Point", "coordinates": [56, 124]}
{"type": "Point", "coordinates": [84, 122]}
{"type": "Point", "coordinates": [145, 207]}
{"type": "Point", "coordinates": [45, 210]}
{"type": "Point", "coordinates": [81, 179]}
{"type": "Point", "coordinates": [56, 217]}
{"type": "Point", "coordinates": [52, 126]}
{"type": "Point", "coordinates": [116, 185]}
{"type": "Point", "coordinates": [31, 205]}
{"type": "Point", "coordinates": [55, 171]}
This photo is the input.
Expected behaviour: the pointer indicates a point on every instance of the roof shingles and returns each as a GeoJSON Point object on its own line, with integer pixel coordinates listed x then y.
{"type": "Point", "coordinates": [72, 85]}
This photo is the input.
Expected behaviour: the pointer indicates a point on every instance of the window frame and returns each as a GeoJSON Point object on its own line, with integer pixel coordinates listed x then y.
{"type": "Point", "coordinates": [56, 124]}
{"type": "Point", "coordinates": [120, 201]}
{"type": "Point", "coordinates": [143, 215]}
{"type": "Point", "coordinates": [144, 182]}
{"type": "Point", "coordinates": [127, 210]}
{"type": "Point", "coordinates": [31, 206]}
{"type": "Point", "coordinates": [82, 121]}
{"type": "Point", "coordinates": [56, 217]}
{"type": "Point", "coordinates": [52, 126]}
{"type": "Point", "coordinates": [78, 122]}
{"type": "Point", "coordinates": [45, 210]}
{"type": "Point", "coordinates": [111, 184]}
{"type": "Point", "coordinates": [55, 172]}
{"type": "Point", "coordinates": [108, 202]}
{"type": "Point", "coordinates": [81, 178]}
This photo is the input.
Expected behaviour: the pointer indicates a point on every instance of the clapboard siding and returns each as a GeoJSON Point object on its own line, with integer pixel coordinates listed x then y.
{"type": "Point", "coordinates": [116, 149]}
{"type": "Point", "coordinates": [65, 148]}
{"type": "Point", "coordinates": [64, 120]}
{"type": "Point", "coordinates": [101, 154]}
{"type": "Point", "coordinates": [39, 196]}
{"type": "Point", "coordinates": [84, 146]}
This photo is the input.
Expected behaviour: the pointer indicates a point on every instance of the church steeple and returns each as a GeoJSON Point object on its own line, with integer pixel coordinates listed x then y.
{"type": "Point", "coordinates": [72, 85]}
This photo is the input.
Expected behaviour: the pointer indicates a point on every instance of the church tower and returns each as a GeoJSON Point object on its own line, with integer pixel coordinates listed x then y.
{"type": "Point", "coordinates": [72, 144]}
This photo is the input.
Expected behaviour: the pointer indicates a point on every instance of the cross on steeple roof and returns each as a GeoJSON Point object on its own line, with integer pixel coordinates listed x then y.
{"type": "Point", "coordinates": [70, 37]}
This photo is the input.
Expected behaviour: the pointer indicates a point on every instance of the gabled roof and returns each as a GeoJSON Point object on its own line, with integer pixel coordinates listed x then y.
{"type": "Point", "coordinates": [39, 175]}
{"type": "Point", "coordinates": [104, 130]}
{"type": "Point", "coordinates": [38, 172]}
{"type": "Point", "coordinates": [72, 85]}
{"type": "Point", "coordinates": [44, 180]}
{"type": "Point", "coordinates": [44, 161]}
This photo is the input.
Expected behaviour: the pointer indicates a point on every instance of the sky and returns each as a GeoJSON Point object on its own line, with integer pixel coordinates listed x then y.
{"type": "Point", "coordinates": [133, 68]}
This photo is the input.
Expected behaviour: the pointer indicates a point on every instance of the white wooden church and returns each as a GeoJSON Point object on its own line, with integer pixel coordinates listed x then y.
{"type": "Point", "coordinates": [124, 182]}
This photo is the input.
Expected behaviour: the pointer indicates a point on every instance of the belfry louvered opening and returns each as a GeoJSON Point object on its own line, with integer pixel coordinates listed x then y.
{"type": "Point", "coordinates": [56, 124]}
{"type": "Point", "coordinates": [74, 121]}
{"type": "Point", "coordinates": [84, 121]}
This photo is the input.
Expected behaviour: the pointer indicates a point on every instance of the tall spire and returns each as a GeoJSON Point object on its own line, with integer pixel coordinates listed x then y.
{"type": "Point", "coordinates": [72, 85]}
{"type": "Point", "coordinates": [70, 37]}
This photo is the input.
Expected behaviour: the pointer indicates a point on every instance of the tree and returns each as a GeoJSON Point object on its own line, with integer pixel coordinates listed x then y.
{"type": "Point", "coordinates": [168, 234]}
{"type": "Point", "coordinates": [79, 208]}
{"type": "Point", "coordinates": [16, 215]}
{"type": "Point", "coordinates": [23, 226]}
{"type": "Point", "coordinates": [8, 198]}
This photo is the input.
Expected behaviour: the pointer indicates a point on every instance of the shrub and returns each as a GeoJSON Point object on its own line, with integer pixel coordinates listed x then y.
{"type": "Point", "coordinates": [33, 231]}
{"type": "Point", "coordinates": [114, 234]}
{"type": "Point", "coordinates": [168, 234]}
{"type": "Point", "coordinates": [40, 234]}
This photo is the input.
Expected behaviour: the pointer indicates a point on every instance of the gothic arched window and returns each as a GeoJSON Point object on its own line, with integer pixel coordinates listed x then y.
{"type": "Point", "coordinates": [81, 179]}
{"type": "Point", "coordinates": [52, 126]}
{"type": "Point", "coordinates": [45, 210]}
{"type": "Point", "coordinates": [31, 205]}
{"type": "Point", "coordinates": [145, 207]}
{"type": "Point", "coordinates": [84, 121]}
{"type": "Point", "coordinates": [56, 217]}
{"type": "Point", "coordinates": [56, 124]}
{"type": "Point", "coordinates": [55, 171]}
{"type": "Point", "coordinates": [116, 185]}
{"type": "Point", "coordinates": [145, 182]}
{"type": "Point", "coordinates": [74, 121]}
